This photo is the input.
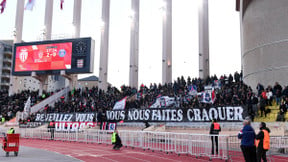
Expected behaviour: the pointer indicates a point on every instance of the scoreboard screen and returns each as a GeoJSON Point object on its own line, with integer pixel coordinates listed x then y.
{"type": "Point", "coordinates": [74, 56]}
{"type": "Point", "coordinates": [55, 56]}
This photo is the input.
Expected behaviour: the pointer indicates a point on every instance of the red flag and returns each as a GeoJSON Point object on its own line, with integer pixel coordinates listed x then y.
{"type": "Point", "coordinates": [61, 4]}
{"type": "Point", "coordinates": [3, 5]}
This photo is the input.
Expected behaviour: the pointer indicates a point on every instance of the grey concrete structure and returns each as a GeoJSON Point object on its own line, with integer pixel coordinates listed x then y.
{"type": "Point", "coordinates": [264, 36]}
{"type": "Point", "coordinates": [134, 44]}
{"type": "Point", "coordinates": [167, 42]}
{"type": "Point", "coordinates": [48, 19]}
{"type": "Point", "coordinates": [203, 14]}
{"type": "Point", "coordinates": [77, 17]}
{"type": "Point", "coordinates": [103, 69]}
{"type": "Point", "coordinates": [14, 86]}
{"type": "Point", "coordinates": [5, 63]}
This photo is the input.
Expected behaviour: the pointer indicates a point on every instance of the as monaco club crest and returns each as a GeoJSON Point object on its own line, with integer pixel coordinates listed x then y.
{"type": "Point", "coordinates": [23, 55]}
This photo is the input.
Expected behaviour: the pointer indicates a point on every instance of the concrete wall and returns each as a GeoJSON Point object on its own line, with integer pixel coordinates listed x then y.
{"type": "Point", "coordinates": [32, 84]}
{"type": "Point", "coordinates": [265, 42]}
{"type": "Point", "coordinates": [89, 84]}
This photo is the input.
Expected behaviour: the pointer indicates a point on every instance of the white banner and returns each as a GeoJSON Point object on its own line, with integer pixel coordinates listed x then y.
{"type": "Point", "coordinates": [163, 101]}
{"type": "Point", "coordinates": [120, 105]}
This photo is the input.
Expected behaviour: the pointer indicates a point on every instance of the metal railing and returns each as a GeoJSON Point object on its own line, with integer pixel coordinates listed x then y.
{"type": "Point", "coordinates": [198, 145]}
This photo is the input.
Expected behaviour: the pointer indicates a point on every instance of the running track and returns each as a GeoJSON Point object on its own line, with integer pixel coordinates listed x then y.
{"type": "Point", "coordinates": [104, 153]}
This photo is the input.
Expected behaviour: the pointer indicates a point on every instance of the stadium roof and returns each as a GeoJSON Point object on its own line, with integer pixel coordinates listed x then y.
{"type": "Point", "coordinates": [90, 78]}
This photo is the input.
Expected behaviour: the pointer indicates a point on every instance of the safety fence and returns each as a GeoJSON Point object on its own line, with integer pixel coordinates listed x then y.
{"type": "Point", "coordinates": [198, 145]}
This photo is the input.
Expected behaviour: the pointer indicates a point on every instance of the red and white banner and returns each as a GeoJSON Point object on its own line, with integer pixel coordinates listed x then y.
{"type": "Point", "coordinates": [120, 105]}
{"type": "Point", "coordinates": [208, 96]}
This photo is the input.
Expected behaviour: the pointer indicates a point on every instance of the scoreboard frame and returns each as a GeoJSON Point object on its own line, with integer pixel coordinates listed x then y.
{"type": "Point", "coordinates": [82, 53]}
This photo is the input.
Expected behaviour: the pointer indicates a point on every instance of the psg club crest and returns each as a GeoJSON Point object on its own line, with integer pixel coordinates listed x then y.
{"type": "Point", "coordinates": [23, 55]}
{"type": "Point", "coordinates": [112, 126]}
{"type": "Point", "coordinates": [62, 52]}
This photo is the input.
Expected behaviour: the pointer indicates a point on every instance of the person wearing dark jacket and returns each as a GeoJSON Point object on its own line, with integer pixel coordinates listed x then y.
{"type": "Point", "coordinates": [263, 142]}
{"type": "Point", "coordinates": [214, 132]}
{"type": "Point", "coordinates": [247, 136]}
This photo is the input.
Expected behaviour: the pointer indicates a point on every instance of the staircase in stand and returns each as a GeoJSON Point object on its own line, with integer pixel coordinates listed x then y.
{"type": "Point", "coordinates": [50, 100]}
{"type": "Point", "coordinates": [270, 117]}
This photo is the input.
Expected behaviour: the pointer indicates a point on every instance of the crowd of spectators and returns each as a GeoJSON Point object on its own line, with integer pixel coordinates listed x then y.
{"type": "Point", "coordinates": [231, 91]}
{"type": "Point", "coordinates": [10, 105]}
{"type": "Point", "coordinates": [276, 93]}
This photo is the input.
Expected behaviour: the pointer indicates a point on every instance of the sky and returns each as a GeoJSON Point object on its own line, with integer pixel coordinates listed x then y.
{"type": "Point", "coordinates": [224, 30]}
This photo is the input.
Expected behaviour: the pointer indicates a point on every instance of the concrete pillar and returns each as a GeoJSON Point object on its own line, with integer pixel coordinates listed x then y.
{"type": "Point", "coordinates": [43, 80]}
{"type": "Point", "coordinates": [48, 19]}
{"type": "Point", "coordinates": [47, 36]}
{"type": "Point", "coordinates": [167, 43]}
{"type": "Point", "coordinates": [134, 44]}
{"type": "Point", "coordinates": [203, 40]}
{"type": "Point", "coordinates": [77, 17]}
{"type": "Point", "coordinates": [17, 39]}
{"type": "Point", "coordinates": [103, 69]}
{"type": "Point", "coordinates": [241, 30]}
{"type": "Point", "coordinates": [77, 26]}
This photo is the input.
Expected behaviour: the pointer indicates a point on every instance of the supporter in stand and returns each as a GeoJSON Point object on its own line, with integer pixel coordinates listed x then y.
{"type": "Point", "coordinates": [91, 100]}
{"type": "Point", "coordinates": [254, 104]}
{"type": "Point", "coordinates": [259, 88]}
{"type": "Point", "coordinates": [278, 92]}
{"type": "Point", "coordinates": [10, 105]}
{"type": "Point", "coordinates": [262, 105]}
{"type": "Point", "coordinates": [283, 109]}
{"type": "Point", "coordinates": [285, 92]}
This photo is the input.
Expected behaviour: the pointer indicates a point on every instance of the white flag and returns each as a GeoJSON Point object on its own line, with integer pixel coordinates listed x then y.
{"type": "Point", "coordinates": [29, 5]}
{"type": "Point", "coordinates": [27, 105]}
{"type": "Point", "coordinates": [163, 102]}
{"type": "Point", "coordinates": [120, 105]}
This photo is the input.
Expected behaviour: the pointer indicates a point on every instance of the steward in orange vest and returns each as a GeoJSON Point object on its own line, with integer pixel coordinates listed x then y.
{"type": "Point", "coordinates": [214, 132]}
{"type": "Point", "coordinates": [262, 142]}
{"type": "Point", "coordinates": [51, 127]}
{"type": "Point", "coordinates": [215, 127]}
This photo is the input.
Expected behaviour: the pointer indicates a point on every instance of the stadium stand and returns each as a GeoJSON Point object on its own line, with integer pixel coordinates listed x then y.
{"type": "Point", "coordinates": [272, 102]}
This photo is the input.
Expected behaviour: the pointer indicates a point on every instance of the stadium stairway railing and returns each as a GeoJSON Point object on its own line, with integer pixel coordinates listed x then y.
{"type": "Point", "coordinates": [50, 100]}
